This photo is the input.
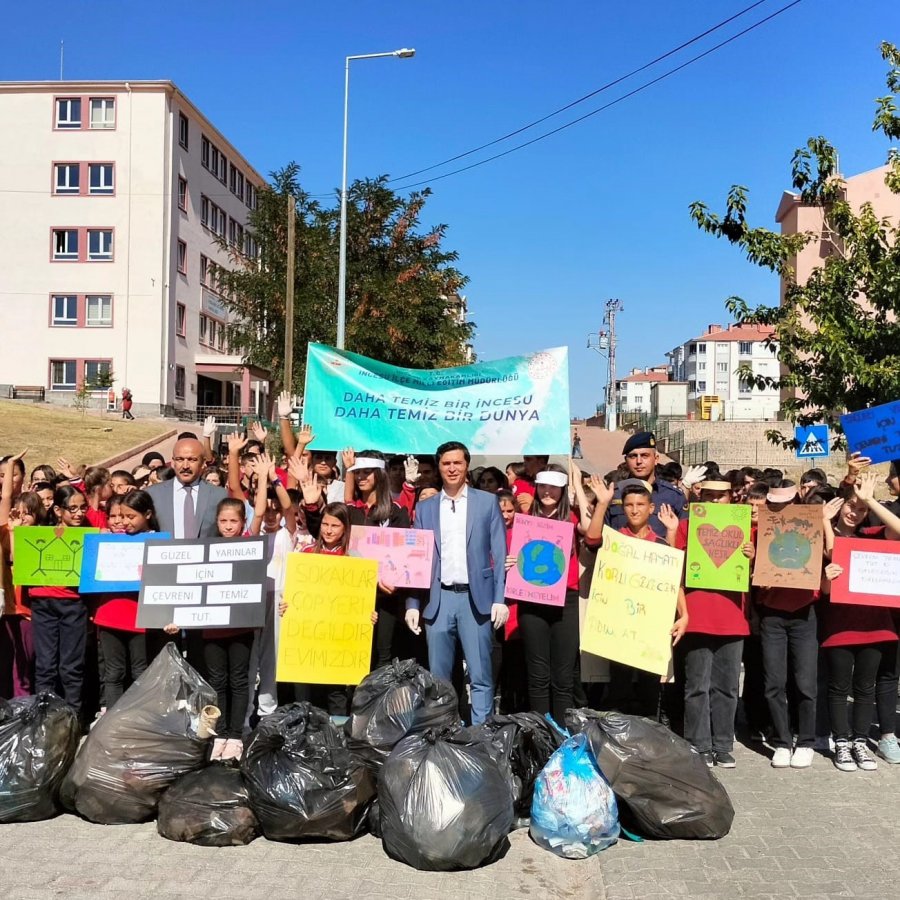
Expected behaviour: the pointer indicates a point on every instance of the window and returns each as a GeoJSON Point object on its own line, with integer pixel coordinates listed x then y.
{"type": "Point", "coordinates": [182, 194]}
{"type": "Point", "coordinates": [64, 310]}
{"type": "Point", "coordinates": [222, 173]}
{"type": "Point", "coordinates": [62, 375]}
{"type": "Point", "coordinates": [745, 348]}
{"type": "Point", "coordinates": [100, 244]}
{"type": "Point", "coordinates": [98, 311]}
{"type": "Point", "coordinates": [701, 386]}
{"type": "Point", "coordinates": [179, 382]}
{"type": "Point", "coordinates": [692, 349]}
{"type": "Point", "coordinates": [103, 112]}
{"type": "Point", "coordinates": [204, 210]}
{"type": "Point", "coordinates": [701, 366]}
{"type": "Point", "coordinates": [238, 235]}
{"type": "Point", "coordinates": [180, 319]}
{"type": "Point", "coordinates": [183, 130]}
{"type": "Point", "coordinates": [701, 348]}
{"type": "Point", "coordinates": [251, 195]}
{"type": "Point", "coordinates": [217, 219]}
{"type": "Point", "coordinates": [745, 387]}
{"type": "Point", "coordinates": [221, 341]}
{"type": "Point", "coordinates": [240, 185]}
{"type": "Point", "coordinates": [65, 243]}
{"type": "Point", "coordinates": [94, 370]}
{"type": "Point", "coordinates": [204, 152]}
{"type": "Point", "coordinates": [203, 323]}
{"type": "Point", "coordinates": [722, 367]}
{"type": "Point", "coordinates": [204, 270]}
{"type": "Point", "coordinates": [232, 178]}
{"type": "Point", "coordinates": [66, 178]}
{"type": "Point", "coordinates": [213, 327]}
{"type": "Point", "coordinates": [68, 112]}
{"type": "Point", "coordinates": [182, 257]}
{"type": "Point", "coordinates": [692, 387]}
{"type": "Point", "coordinates": [100, 179]}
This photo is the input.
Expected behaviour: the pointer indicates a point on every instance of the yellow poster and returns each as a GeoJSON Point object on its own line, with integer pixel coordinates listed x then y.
{"type": "Point", "coordinates": [631, 608]}
{"type": "Point", "coordinates": [326, 632]}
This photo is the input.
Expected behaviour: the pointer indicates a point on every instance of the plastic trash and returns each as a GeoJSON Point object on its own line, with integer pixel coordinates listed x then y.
{"type": "Point", "coordinates": [303, 781]}
{"type": "Point", "coordinates": [210, 807]}
{"type": "Point", "coordinates": [38, 739]}
{"type": "Point", "coordinates": [397, 700]}
{"type": "Point", "coordinates": [141, 745]}
{"type": "Point", "coordinates": [665, 789]}
{"type": "Point", "coordinates": [445, 802]}
{"type": "Point", "coordinates": [574, 812]}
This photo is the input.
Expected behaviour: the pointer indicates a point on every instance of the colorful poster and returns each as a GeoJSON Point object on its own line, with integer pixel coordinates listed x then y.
{"type": "Point", "coordinates": [542, 548]}
{"type": "Point", "coordinates": [113, 562]}
{"type": "Point", "coordinates": [326, 631]}
{"type": "Point", "coordinates": [49, 556]}
{"type": "Point", "coordinates": [204, 583]}
{"type": "Point", "coordinates": [789, 548]}
{"type": "Point", "coordinates": [632, 604]}
{"type": "Point", "coordinates": [404, 555]}
{"type": "Point", "coordinates": [874, 432]}
{"type": "Point", "coordinates": [516, 405]}
{"type": "Point", "coordinates": [716, 533]}
{"type": "Point", "coordinates": [871, 574]}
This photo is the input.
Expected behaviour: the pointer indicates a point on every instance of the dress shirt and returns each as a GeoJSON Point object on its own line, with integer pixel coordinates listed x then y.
{"type": "Point", "coordinates": [178, 498]}
{"type": "Point", "coordinates": [454, 569]}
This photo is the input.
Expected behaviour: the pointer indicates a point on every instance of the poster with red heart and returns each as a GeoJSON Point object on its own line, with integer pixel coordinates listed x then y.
{"type": "Point", "coordinates": [716, 533]}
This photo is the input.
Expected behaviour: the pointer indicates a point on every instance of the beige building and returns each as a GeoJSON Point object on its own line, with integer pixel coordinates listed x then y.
{"type": "Point", "coordinates": [113, 194]}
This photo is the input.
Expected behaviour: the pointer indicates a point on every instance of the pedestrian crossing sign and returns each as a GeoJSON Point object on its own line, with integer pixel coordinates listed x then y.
{"type": "Point", "coordinates": [812, 441]}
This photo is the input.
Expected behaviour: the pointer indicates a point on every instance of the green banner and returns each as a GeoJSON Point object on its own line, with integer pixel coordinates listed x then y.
{"type": "Point", "coordinates": [47, 556]}
{"type": "Point", "coordinates": [716, 533]}
{"type": "Point", "coordinates": [518, 405]}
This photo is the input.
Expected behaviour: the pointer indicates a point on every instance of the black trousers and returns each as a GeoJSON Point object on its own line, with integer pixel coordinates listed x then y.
{"type": "Point", "coordinates": [550, 638]}
{"type": "Point", "coordinates": [854, 671]}
{"type": "Point", "coordinates": [122, 654]}
{"type": "Point", "coordinates": [59, 634]}
{"type": "Point", "coordinates": [226, 663]}
{"type": "Point", "coordinates": [712, 674]}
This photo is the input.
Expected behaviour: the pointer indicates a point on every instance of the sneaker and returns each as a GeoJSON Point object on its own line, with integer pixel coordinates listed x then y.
{"type": "Point", "coordinates": [708, 758]}
{"type": "Point", "coordinates": [843, 757]}
{"type": "Point", "coordinates": [781, 758]}
{"type": "Point", "coordinates": [234, 749]}
{"type": "Point", "coordinates": [725, 760]}
{"type": "Point", "coordinates": [802, 758]}
{"type": "Point", "coordinates": [889, 749]}
{"type": "Point", "coordinates": [218, 748]}
{"type": "Point", "coordinates": [863, 756]}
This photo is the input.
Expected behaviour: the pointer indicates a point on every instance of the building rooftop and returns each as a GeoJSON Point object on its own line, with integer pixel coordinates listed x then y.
{"type": "Point", "coordinates": [736, 333]}
{"type": "Point", "coordinates": [645, 376]}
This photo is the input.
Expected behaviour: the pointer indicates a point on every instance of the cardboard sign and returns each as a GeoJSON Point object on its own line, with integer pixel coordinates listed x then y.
{"type": "Point", "coordinates": [874, 432]}
{"type": "Point", "coordinates": [113, 562]}
{"type": "Point", "coordinates": [204, 583]}
{"type": "Point", "coordinates": [812, 441]}
{"type": "Point", "coordinates": [404, 555]}
{"type": "Point", "coordinates": [542, 548]}
{"type": "Point", "coordinates": [716, 533]}
{"type": "Point", "coordinates": [871, 572]}
{"type": "Point", "coordinates": [632, 603]}
{"type": "Point", "coordinates": [326, 632]}
{"type": "Point", "coordinates": [49, 556]}
{"type": "Point", "coordinates": [789, 548]}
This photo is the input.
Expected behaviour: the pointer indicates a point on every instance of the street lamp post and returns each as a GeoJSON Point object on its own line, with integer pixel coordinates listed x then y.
{"type": "Point", "coordinates": [403, 53]}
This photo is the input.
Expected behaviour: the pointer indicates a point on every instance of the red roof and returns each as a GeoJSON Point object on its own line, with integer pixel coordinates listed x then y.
{"type": "Point", "coordinates": [647, 376]}
{"type": "Point", "coordinates": [738, 333]}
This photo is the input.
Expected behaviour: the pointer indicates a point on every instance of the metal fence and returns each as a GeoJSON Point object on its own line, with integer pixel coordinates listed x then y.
{"type": "Point", "coordinates": [695, 453]}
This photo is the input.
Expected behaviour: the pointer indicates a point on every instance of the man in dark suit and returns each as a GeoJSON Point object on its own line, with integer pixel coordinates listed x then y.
{"type": "Point", "coordinates": [186, 504]}
{"type": "Point", "coordinates": [466, 595]}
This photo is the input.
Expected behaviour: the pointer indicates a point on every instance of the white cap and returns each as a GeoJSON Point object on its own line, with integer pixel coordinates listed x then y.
{"type": "Point", "coordinates": [557, 479]}
{"type": "Point", "coordinates": [366, 462]}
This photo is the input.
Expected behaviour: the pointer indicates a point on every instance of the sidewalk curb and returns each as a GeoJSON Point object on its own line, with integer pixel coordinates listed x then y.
{"type": "Point", "coordinates": [139, 448]}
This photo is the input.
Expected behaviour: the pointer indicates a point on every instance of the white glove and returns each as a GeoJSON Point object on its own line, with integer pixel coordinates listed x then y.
{"type": "Point", "coordinates": [209, 427]}
{"type": "Point", "coordinates": [499, 615]}
{"type": "Point", "coordinates": [285, 404]}
{"type": "Point", "coordinates": [412, 621]}
{"type": "Point", "coordinates": [693, 475]}
{"type": "Point", "coordinates": [411, 469]}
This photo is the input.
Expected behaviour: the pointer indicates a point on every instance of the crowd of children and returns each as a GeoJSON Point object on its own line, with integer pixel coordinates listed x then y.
{"type": "Point", "coordinates": [816, 674]}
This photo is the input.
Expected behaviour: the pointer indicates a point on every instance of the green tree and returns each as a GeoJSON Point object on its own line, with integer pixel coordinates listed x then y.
{"type": "Point", "coordinates": [838, 334]}
{"type": "Point", "coordinates": [402, 285]}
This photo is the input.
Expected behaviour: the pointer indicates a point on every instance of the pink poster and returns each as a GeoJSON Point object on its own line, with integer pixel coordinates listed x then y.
{"type": "Point", "coordinates": [403, 554]}
{"type": "Point", "coordinates": [542, 548]}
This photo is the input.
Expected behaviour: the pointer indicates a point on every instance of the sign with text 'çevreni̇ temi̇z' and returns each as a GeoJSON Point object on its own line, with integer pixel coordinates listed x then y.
{"type": "Point", "coordinates": [204, 583]}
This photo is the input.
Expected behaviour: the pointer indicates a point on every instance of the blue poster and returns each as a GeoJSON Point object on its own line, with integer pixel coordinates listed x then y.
{"type": "Point", "coordinates": [113, 562]}
{"type": "Point", "coordinates": [510, 406]}
{"type": "Point", "coordinates": [812, 441]}
{"type": "Point", "coordinates": [874, 432]}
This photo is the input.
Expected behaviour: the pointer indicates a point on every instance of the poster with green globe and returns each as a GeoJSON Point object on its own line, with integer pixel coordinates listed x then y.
{"type": "Point", "coordinates": [789, 548]}
{"type": "Point", "coordinates": [542, 548]}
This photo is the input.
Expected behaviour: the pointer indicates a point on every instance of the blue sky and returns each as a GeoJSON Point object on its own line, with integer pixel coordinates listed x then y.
{"type": "Point", "coordinates": [546, 234]}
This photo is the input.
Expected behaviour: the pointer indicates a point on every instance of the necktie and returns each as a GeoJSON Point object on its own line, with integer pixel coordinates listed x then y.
{"type": "Point", "coordinates": [189, 527]}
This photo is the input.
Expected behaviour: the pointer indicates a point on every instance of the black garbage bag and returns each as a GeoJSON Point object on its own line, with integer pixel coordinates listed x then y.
{"type": "Point", "coordinates": [373, 819]}
{"type": "Point", "coordinates": [394, 701]}
{"type": "Point", "coordinates": [664, 788]}
{"type": "Point", "coordinates": [527, 741]}
{"type": "Point", "coordinates": [141, 745]}
{"type": "Point", "coordinates": [210, 807]}
{"type": "Point", "coordinates": [445, 801]}
{"type": "Point", "coordinates": [303, 781]}
{"type": "Point", "coordinates": [38, 739]}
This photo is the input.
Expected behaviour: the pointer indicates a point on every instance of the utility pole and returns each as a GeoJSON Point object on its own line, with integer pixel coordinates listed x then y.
{"type": "Point", "coordinates": [288, 384]}
{"type": "Point", "coordinates": [612, 307]}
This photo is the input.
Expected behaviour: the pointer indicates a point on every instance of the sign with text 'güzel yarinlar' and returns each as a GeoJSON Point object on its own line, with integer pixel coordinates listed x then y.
{"type": "Point", "coordinates": [517, 405]}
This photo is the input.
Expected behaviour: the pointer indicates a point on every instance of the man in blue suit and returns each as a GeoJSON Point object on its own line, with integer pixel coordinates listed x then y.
{"type": "Point", "coordinates": [466, 595]}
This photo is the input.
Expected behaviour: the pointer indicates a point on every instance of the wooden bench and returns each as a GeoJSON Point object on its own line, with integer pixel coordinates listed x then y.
{"type": "Point", "coordinates": [26, 392]}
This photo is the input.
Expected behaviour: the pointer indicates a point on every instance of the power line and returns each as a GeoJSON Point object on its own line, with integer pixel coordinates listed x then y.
{"type": "Point", "coordinates": [606, 106]}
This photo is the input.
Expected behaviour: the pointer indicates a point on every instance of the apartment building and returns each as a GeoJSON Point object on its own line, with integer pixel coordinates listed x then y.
{"type": "Point", "coordinates": [114, 194]}
{"type": "Point", "coordinates": [633, 391]}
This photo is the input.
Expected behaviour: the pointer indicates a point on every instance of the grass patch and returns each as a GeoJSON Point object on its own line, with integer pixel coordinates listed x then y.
{"type": "Point", "coordinates": [51, 431]}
